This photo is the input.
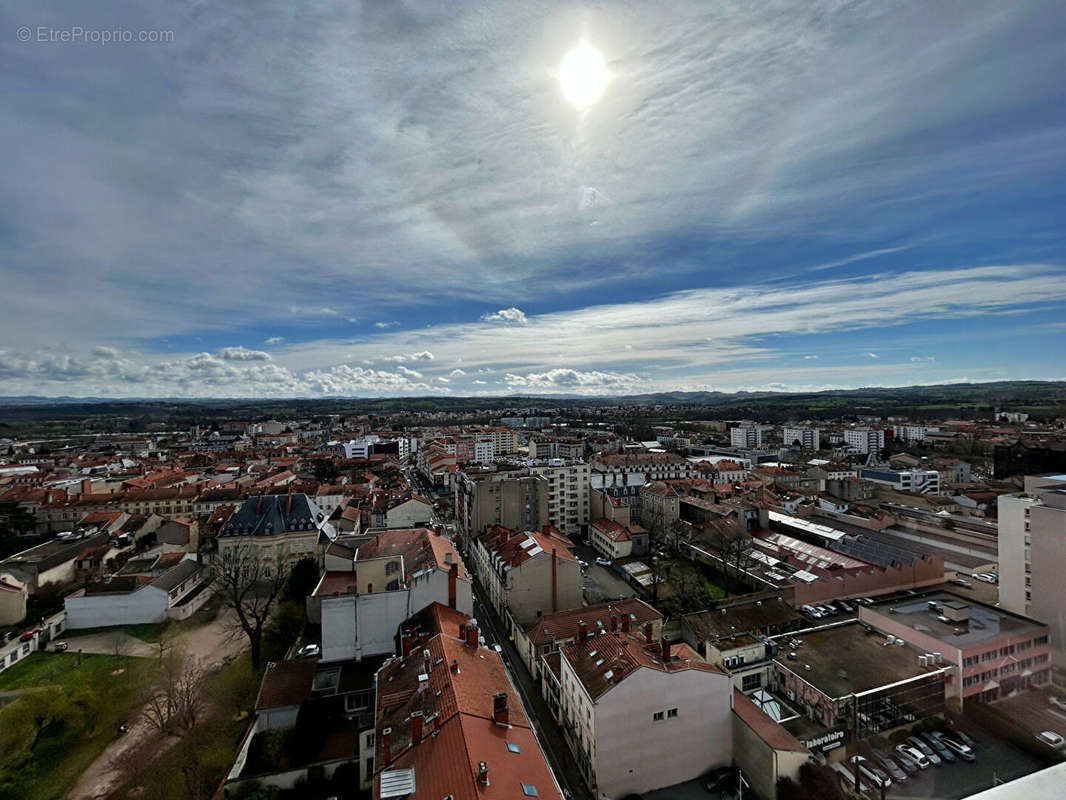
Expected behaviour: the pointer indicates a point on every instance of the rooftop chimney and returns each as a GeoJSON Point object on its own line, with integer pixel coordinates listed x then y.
{"type": "Point", "coordinates": [582, 631]}
{"type": "Point", "coordinates": [625, 623]}
{"type": "Point", "coordinates": [483, 773]}
{"type": "Point", "coordinates": [453, 577]}
{"type": "Point", "coordinates": [386, 745]}
{"type": "Point", "coordinates": [288, 501]}
{"type": "Point", "coordinates": [455, 666]}
{"type": "Point", "coordinates": [427, 664]}
{"type": "Point", "coordinates": [86, 487]}
{"type": "Point", "coordinates": [500, 714]}
{"type": "Point", "coordinates": [555, 584]}
{"type": "Point", "coordinates": [416, 727]}
{"type": "Point", "coordinates": [614, 623]}
{"type": "Point", "coordinates": [647, 632]}
{"type": "Point", "coordinates": [471, 636]}
{"type": "Point", "coordinates": [462, 631]}
{"type": "Point", "coordinates": [666, 650]}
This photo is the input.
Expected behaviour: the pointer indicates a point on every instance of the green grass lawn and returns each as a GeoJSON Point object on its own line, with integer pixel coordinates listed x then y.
{"type": "Point", "coordinates": [61, 758]}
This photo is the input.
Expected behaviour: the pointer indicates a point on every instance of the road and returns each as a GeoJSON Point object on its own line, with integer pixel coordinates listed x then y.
{"type": "Point", "coordinates": [548, 733]}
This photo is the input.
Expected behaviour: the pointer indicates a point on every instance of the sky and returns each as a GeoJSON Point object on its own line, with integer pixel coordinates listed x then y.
{"type": "Point", "coordinates": [392, 198]}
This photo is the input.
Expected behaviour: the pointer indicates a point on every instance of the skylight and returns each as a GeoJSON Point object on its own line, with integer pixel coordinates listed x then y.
{"type": "Point", "coordinates": [513, 747]}
{"type": "Point", "coordinates": [529, 790]}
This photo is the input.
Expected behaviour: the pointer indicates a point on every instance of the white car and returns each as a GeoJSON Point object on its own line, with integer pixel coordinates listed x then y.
{"type": "Point", "coordinates": [498, 649]}
{"type": "Point", "coordinates": [913, 754]}
{"type": "Point", "coordinates": [1058, 702]}
{"type": "Point", "coordinates": [1050, 738]}
{"type": "Point", "coordinates": [309, 651]}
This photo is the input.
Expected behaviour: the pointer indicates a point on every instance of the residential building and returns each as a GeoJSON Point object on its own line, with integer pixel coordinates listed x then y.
{"type": "Point", "coordinates": [745, 437]}
{"type": "Point", "coordinates": [865, 440]}
{"type": "Point", "coordinates": [362, 607]}
{"type": "Point", "coordinates": [919, 481]}
{"type": "Point", "coordinates": [640, 714]}
{"type": "Point", "coordinates": [568, 493]}
{"type": "Point", "coordinates": [527, 574]}
{"type": "Point", "coordinates": [508, 499]}
{"type": "Point", "coordinates": [13, 595]}
{"type": "Point", "coordinates": [280, 529]}
{"type": "Point", "coordinates": [127, 600]}
{"type": "Point", "coordinates": [611, 539]}
{"type": "Point", "coordinates": [913, 433]}
{"type": "Point", "coordinates": [807, 438]}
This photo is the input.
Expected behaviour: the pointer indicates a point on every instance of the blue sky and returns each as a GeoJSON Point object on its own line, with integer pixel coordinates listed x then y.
{"type": "Point", "coordinates": [392, 198]}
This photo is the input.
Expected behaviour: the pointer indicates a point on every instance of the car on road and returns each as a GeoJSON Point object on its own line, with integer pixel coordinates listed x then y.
{"type": "Point", "coordinates": [583, 564]}
{"type": "Point", "coordinates": [891, 767]}
{"type": "Point", "coordinates": [963, 751]}
{"type": "Point", "coordinates": [1058, 702]}
{"type": "Point", "coordinates": [60, 647]}
{"type": "Point", "coordinates": [927, 751]}
{"type": "Point", "coordinates": [909, 754]}
{"type": "Point", "coordinates": [941, 749]}
{"type": "Point", "coordinates": [1050, 738]}
{"type": "Point", "coordinates": [309, 651]}
{"type": "Point", "coordinates": [586, 542]}
{"type": "Point", "coordinates": [603, 562]}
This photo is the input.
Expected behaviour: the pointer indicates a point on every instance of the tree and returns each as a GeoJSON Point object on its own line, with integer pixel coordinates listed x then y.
{"type": "Point", "coordinates": [174, 704]}
{"type": "Point", "coordinates": [324, 469]}
{"type": "Point", "coordinates": [303, 578]}
{"type": "Point", "coordinates": [251, 589]}
{"type": "Point", "coordinates": [15, 520]}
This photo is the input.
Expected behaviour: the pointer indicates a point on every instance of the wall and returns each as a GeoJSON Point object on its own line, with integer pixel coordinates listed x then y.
{"type": "Point", "coordinates": [874, 581]}
{"type": "Point", "coordinates": [760, 763]}
{"type": "Point", "coordinates": [12, 601]}
{"type": "Point", "coordinates": [377, 616]}
{"type": "Point", "coordinates": [145, 605]}
{"type": "Point", "coordinates": [1048, 530]}
{"type": "Point", "coordinates": [635, 754]}
{"type": "Point", "coordinates": [338, 627]}
{"type": "Point", "coordinates": [410, 514]}
{"type": "Point", "coordinates": [188, 609]}
{"type": "Point", "coordinates": [531, 587]}
{"type": "Point", "coordinates": [1011, 552]}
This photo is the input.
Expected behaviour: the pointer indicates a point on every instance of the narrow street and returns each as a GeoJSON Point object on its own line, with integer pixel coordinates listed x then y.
{"type": "Point", "coordinates": [548, 733]}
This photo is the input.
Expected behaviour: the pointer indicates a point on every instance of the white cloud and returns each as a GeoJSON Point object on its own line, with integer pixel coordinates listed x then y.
{"type": "Point", "coordinates": [457, 373]}
{"type": "Point", "coordinates": [275, 340]}
{"type": "Point", "coordinates": [810, 358]}
{"type": "Point", "coordinates": [105, 352]}
{"type": "Point", "coordinates": [385, 325]}
{"type": "Point", "coordinates": [421, 355]}
{"type": "Point", "coordinates": [873, 355]}
{"type": "Point", "coordinates": [571, 380]}
{"type": "Point", "coordinates": [479, 382]}
{"type": "Point", "coordinates": [314, 311]}
{"type": "Point", "coordinates": [242, 354]}
{"type": "Point", "coordinates": [410, 373]}
{"type": "Point", "coordinates": [512, 315]}
{"type": "Point", "coordinates": [917, 359]}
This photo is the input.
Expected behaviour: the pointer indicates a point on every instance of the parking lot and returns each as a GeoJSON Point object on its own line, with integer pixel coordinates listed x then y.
{"type": "Point", "coordinates": [997, 762]}
{"type": "Point", "coordinates": [1034, 711]}
{"type": "Point", "coordinates": [600, 583]}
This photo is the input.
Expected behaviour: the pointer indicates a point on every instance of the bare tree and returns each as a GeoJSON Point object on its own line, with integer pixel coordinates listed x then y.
{"type": "Point", "coordinates": [174, 704]}
{"type": "Point", "coordinates": [251, 588]}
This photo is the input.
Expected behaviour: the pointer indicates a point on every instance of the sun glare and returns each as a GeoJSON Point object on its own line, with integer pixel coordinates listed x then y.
{"type": "Point", "coordinates": [583, 76]}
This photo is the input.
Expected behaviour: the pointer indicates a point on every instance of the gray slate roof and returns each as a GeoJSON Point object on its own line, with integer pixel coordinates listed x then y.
{"type": "Point", "coordinates": [270, 514]}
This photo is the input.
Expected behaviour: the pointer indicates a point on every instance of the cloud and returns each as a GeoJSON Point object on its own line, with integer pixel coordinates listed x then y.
{"type": "Point", "coordinates": [385, 325]}
{"type": "Point", "coordinates": [242, 354]}
{"type": "Point", "coordinates": [457, 373]}
{"type": "Point", "coordinates": [410, 373]}
{"type": "Point", "coordinates": [312, 311]}
{"type": "Point", "coordinates": [810, 358]}
{"type": "Point", "coordinates": [479, 382]}
{"type": "Point", "coordinates": [275, 340]}
{"type": "Point", "coordinates": [421, 355]}
{"type": "Point", "coordinates": [873, 355]}
{"type": "Point", "coordinates": [442, 379]}
{"type": "Point", "coordinates": [105, 352]}
{"type": "Point", "coordinates": [512, 315]}
{"type": "Point", "coordinates": [917, 359]}
{"type": "Point", "coordinates": [572, 380]}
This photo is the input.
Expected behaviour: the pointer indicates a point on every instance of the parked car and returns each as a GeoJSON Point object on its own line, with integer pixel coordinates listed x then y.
{"type": "Point", "coordinates": [827, 611]}
{"type": "Point", "coordinates": [1057, 701]}
{"type": "Point", "coordinates": [498, 649]}
{"type": "Point", "coordinates": [844, 606]}
{"type": "Point", "coordinates": [1050, 738]}
{"type": "Point", "coordinates": [719, 779]}
{"type": "Point", "coordinates": [583, 564]}
{"type": "Point", "coordinates": [603, 562]}
{"type": "Point", "coordinates": [941, 750]}
{"type": "Point", "coordinates": [891, 767]}
{"type": "Point", "coordinates": [961, 736]}
{"type": "Point", "coordinates": [927, 751]}
{"type": "Point", "coordinates": [60, 647]}
{"type": "Point", "coordinates": [906, 752]}
{"type": "Point", "coordinates": [963, 751]}
{"type": "Point", "coordinates": [586, 542]}
{"type": "Point", "coordinates": [811, 611]}
{"type": "Point", "coordinates": [309, 651]}
{"type": "Point", "coordinates": [871, 773]}
{"type": "Point", "coordinates": [961, 582]}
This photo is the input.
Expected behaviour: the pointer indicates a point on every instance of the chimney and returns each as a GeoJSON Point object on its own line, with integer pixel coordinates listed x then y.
{"type": "Point", "coordinates": [471, 636]}
{"type": "Point", "coordinates": [427, 662]}
{"type": "Point", "coordinates": [406, 640]}
{"type": "Point", "coordinates": [437, 530]}
{"type": "Point", "coordinates": [666, 650]}
{"type": "Point", "coordinates": [614, 623]}
{"type": "Point", "coordinates": [625, 623]}
{"type": "Point", "coordinates": [259, 505]}
{"type": "Point", "coordinates": [582, 631]}
{"type": "Point", "coordinates": [288, 501]}
{"type": "Point", "coordinates": [483, 773]}
{"type": "Point", "coordinates": [647, 633]}
{"type": "Point", "coordinates": [455, 666]}
{"type": "Point", "coordinates": [386, 745]}
{"type": "Point", "coordinates": [416, 727]}
{"type": "Point", "coordinates": [462, 631]}
{"type": "Point", "coordinates": [555, 585]}
{"type": "Point", "coordinates": [500, 713]}
{"type": "Point", "coordinates": [453, 577]}
{"type": "Point", "coordinates": [86, 487]}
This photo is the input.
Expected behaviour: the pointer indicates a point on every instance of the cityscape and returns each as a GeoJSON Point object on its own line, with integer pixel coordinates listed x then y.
{"type": "Point", "coordinates": [409, 400]}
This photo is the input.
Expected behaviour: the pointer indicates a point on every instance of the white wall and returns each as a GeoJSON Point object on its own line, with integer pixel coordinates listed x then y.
{"type": "Point", "coordinates": [338, 627]}
{"type": "Point", "coordinates": [1011, 544]}
{"type": "Point", "coordinates": [148, 604]}
{"type": "Point", "coordinates": [377, 618]}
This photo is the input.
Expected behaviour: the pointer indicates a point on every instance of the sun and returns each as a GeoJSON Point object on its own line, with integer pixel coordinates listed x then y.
{"type": "Point", "coordinates": [583, 76]}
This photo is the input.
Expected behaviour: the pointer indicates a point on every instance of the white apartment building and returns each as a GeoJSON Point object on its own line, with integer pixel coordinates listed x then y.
{"type": "Point", "coordinates": [1032, 556]}
{"type": "Point", "coordinates": [865, 440]}
{"type": "Point", "coordinates": [808, 438]}
{"type": "Point", "coordinates": [747, 437]}
{"type": "Point", "coordinates": [484, 449]}
{"type": "Point", "coordinates": [919, 481]}
{"type": "Point", "coordinates": [913, 433]}
{"type": "Point", "coordinates": [640, 714]}
{"type": "Point", "coordinates": [568, 493]}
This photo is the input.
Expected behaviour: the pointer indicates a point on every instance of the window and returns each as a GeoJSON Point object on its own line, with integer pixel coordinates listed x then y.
{"type": "Point", "coordinates": [513, 747]}
{"type": "Point", "coordinates": [671, 713]}
{"type": "Point", "coordinates": [751, 682]}
{"type": "Point", "coordinates": [356, 702]}
{"type": "Point", "coordinates": [391, 567]}
{"type": "Point", "coordinates": [529, 790]}
{"type": "Point", "coordinates": [657, 716]}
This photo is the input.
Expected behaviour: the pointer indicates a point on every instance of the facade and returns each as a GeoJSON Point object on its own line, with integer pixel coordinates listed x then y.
{"type": "Point", "coordinates": [527, 574]}
{"type": "Point", "coordinates": [808, 438]}
{"type": "Point", "coordinates": [484, 499]}
{"type": "Point", "coordinates": [568, 493]}
{"type": "Point", "coordinates": [127, 600]}
{"type": "Point", "coordinates": [610, 539]}
{"type": "Point", "coordinates": [641, 714]}
{"type": "Point", "coordinates": [745, 437]}
{"type": "Point", "coordinates": [865, 440]}
{"type": "Point", "coordinates": [13, 596]}
{"type": "Point", "coordinates": [281, 529]}
{"type": "Point", "coordinates": [919, 481]}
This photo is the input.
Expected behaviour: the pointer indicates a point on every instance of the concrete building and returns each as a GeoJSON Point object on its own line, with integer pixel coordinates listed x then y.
{"type": "Point", "coordinates": [807, 438]}
{"type": "Point", "coordinates": [397, 571]}
{"type": "Point", "coordinates": [1032, 555]}
{"type": "Point", "coordinates": [919, 481]}
{"type": "Point", "coordinates": [13, 594]}
{"type": "Point", "coordinates": [865, 440]}
{"type": "Point", "coordinates": [568, 493]}
{"type": "Point", "coordinates": [509, 499]}
{"type": "Point", "coordinates": [746, 437]}
{"type": "Point", "coordinates": [281, 529]}
{"type": "Point", "coordinates": [640, 714]}
{"type": "Point", "coordinates": [527, 574]}
{"type": "Point", "coordinates": [128, 601]}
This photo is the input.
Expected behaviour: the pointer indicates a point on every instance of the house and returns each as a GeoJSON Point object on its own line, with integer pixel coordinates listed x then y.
{"type": "Point", "coordinates": [449, 723]}
{"type": "Point", "coordinates": [13, 594]}
{"type": "Point", "coordinates": [527, 574]}
{"type": "Point", "coordinates": [51, 562]}
{"type": "Point", "coordinates": [281, 529]}
{"type": "Point", "coordinates": [183, 532]}
{"type": "Point", "coordinates": [638, 713]}
{"type": "Point", "coordinates": [136, 599]}
{"type": "Point", "coordinates": [396, 571]}
{"type": "Point", "coordinates": [409, 512]}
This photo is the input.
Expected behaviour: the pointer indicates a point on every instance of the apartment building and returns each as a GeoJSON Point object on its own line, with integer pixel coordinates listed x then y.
{"type": "Point", "coordinates": [746, 437]}
{"type": "Point", "coordinates": [527, 574]}
{"type": "Point", "coordinates": [568, 493]}
{"type": "Point", "coordinates": [865, 440]}
{"type": "Point", "coordinates": [913, 433]}
{"type": "Point", "coordinates": [279, 529]}
{"type": "Point", "coordinates": [807, 438]}
{"type": "Point", "coordinates": [919, 481]}
{"type": "Point", "coordinates": [638, 713]}
{"type": "Point", "coordinates": [509, 499]}
{"type": "Point", "coordinates": [1032, 555]}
